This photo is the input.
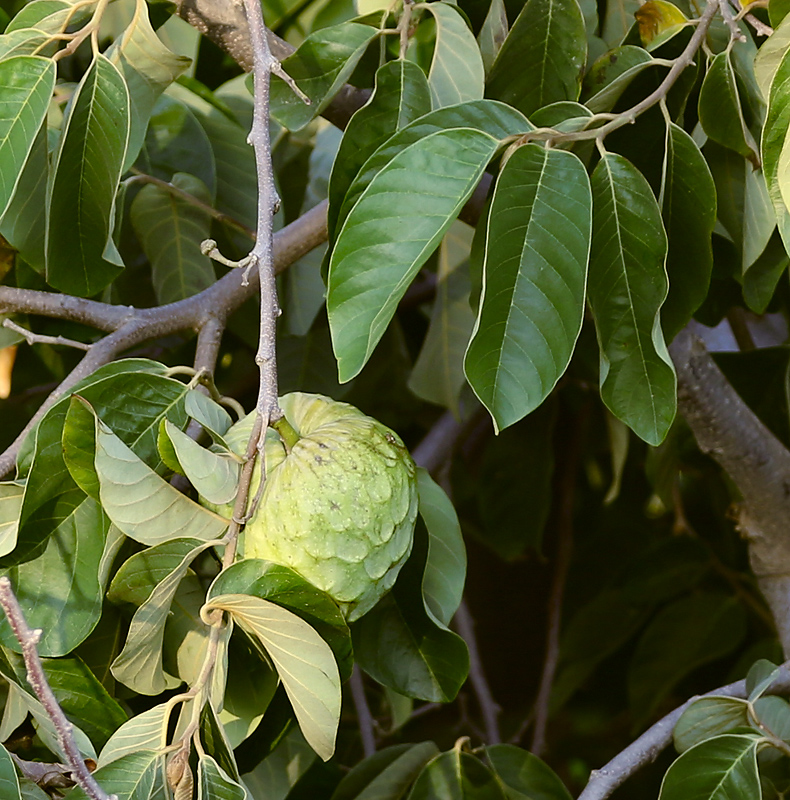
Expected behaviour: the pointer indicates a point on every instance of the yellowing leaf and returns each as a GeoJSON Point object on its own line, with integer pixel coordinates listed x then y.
{"type": "Point", "coordinates": [7, 356]}
{"type": "Point", "coordinates": [657, 16]}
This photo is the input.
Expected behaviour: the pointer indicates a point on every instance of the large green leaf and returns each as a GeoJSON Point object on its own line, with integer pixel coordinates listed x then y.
{"type": "Point", "coordinates": [400, 96]}
{"type": "Point", "coordinates": [721, 112]}
{"type": "Point", "coordinates": [321, 65]}
{"type": "Point", "coordinates": [456, 74]}
{"type": "Point", "coordinates": [139, 665]}
{"type": "Point", "coordinates": [708, 717]}
{"type": "Point", "coordinates": [457, 776]}
{"type": "Point", "coordinates": [148, 67]}
{"type": "Point", "coordinates": [303, 660]}
{"type": "Point", "coordinates": [48, 15]}
{"type": "Point", "coordinates": [387, 774]}
{"type": "Point", "coordinates": [627, 287]}
{"type": "Point", "coordinates": [132, 777]}
{"type": "Point", "coordinates": [9, 782]}
{"type": "Point", "coordinates": [524, 775]}
{"type": "Point", "coordinates": [535, 270]}
{"type": "Point", "coordinates": [143, 505]}
{"type": "Point", "coordinates": [438, 374]}
{"type": "Point", "coordinates": [494, 118]}
{"type": "Point", "coordinates": [688, 208]}
{"type": "Point", "coordinates": [26, 84]}
{"type": "Point", "coordinates": [777, 122]}
{"type": "Point", "coordinates": [81, 257]}
{"type": "Point", "coordinates": [171, 231]}
{"type": "Point", "coordinates": [420, 191]}
{"type": "Point", "coordinates": [146, 731]}
{"type": "Point", "coordinates": [716, 769]}
{"type": "Point", "coordinates": [542, 59]}
{"type": "Point", "coordinates": [400, 644]}
{"type": "Point", "coordinates": [445, 569]}
{"type": "Point", "coordinates": [702, 627]}
{"type": "Point", "coordinates": [277, 774]}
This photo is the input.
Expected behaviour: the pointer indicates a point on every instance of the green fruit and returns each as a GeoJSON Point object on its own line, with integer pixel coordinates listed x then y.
{"type": "Point", "coordinates": [340, 507]}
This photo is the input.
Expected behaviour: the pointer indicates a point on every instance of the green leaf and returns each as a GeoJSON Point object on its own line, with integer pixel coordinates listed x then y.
{"type": "Point", "coordinates": [457, 776]}
{"type": "Point", "coordinates": [445, 569]}
{"type": "Point", "coordinates": [770, 55]}
{"type": "Point", "coordinates": [143, 505]}
{"type": "Point", "coordinates": [457, 72]}
{"type": "Point", "coordinates": [542, 59]}
{"type": "Point", "coordinates": [400, 96]}
{"type": "Point", "coordinates": [759, 218]}
{"type": "Point", "coordinates": [139, 665]}
{"type": "Point", "coordinates": [281, 585]}
{"type": "Point", "coordinates": [773, 714]}
{"type": "Point", "coordinates": [387, 774]}
{"type": "Point", "coordinates": [148, 67]}
{"type": "Point", "coordinates": [496, 119]}
{"type": "Point", "coordinates": [10, 506]}
{"type": "Point", "coordinates": [212, 416]}
{"type": "Point", "coordinates": [688, 208]}
{"type": "Point", "coordinates": [760, 677]}
{"type": "Point", "coordinates": [702, 627]}
{"type": "Point", "coordinates": [399, 643]}
{"type": "Point", "coordinates": [718, 768]}
{"type": "Point", "coordinates": [171, 230]}
{"type": "Point", "coordinates": [721, 112]}
{"type": "Point", "coordinates": [611, 75]}
{"type": "Point", "coordinates": [420, 191]}
{"type": "Point", "coordinates": [215, 784]}
{"type": "Point", "coordinates": [9, 782]}
{"type": "Point", "coordinates": [321, 65]}
{"type": "Point", "coordinates": [26, 85]}
{"type": "Point", "coordinates": [278, 773]}
{"type": "Point", "coordinates": [215, 476]}
{"type": "Point", "coordinates": [627, 287]}
{"type": "Point", "coordinates": [709, 717]}
{"type": "Point", "coordinates": [146, 731]}
{"type": "Point", "coordinates": [493, 33]}
{"type": "Point", "coordinates": [619, 20]}
{"type": "Point", "coordinates": [535, 270]}
{"type": "Point", "coordinates": [81, 258]}
{"type": "Point", "coordinates": [525, 776]}
{"type": "Point", "coordinates": [61, 590]}
{"type": "Point", "coordinates": [303, 660]}
{"type": "Point", "coordinates": [438, 374]}
{"type": "Point", "coordinates": [48, 15]}
{"type": "Point", "coordinates": [131, 777]}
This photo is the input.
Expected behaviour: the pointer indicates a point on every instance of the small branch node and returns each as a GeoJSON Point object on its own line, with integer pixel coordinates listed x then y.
{"type": "Point", "coordinates": [277, 69]}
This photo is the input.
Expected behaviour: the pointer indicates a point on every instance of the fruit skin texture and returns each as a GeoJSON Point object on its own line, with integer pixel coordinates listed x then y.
{"type": "Point", "coordinates": [340, 508]}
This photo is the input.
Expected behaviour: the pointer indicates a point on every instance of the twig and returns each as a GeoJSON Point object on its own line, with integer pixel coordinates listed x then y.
{"type": "Point", "coordinates": [736, 34]}
{"type": "Point", "coordinates": [489, 708]}
{"type": "Point", "coordinates": [567, 492]}
{"type": "Point", "coordinates": [364, 717]}
{"type": "Point", "coordinates": [654, 740]}
{"type": "Point", "coordinates": [41, 338]}
{"type": "Point", "coordinates": [28, 640]}
{"type": "Point", "coordinates": [190, 199]}
{"type": "Point", "coordinates": [208, 343]}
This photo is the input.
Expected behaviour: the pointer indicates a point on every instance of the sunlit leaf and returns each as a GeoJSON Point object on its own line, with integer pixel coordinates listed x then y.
{"type": "Point", "coordinates": [657, 17]}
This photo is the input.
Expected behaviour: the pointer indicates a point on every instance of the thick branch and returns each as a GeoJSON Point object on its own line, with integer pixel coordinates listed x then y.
{"type": "Point", "coordinates": [758, 463]}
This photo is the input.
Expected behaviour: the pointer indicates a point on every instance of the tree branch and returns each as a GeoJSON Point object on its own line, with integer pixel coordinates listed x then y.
{"type": "Point", "coordinates": [28, 640]}
{"type": "Point", "coordinates": [364, 717]}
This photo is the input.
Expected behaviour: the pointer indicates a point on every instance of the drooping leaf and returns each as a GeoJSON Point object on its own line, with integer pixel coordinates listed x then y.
{"type": "Point", "coordinates": [211, 415]}
{"type": "Point", "coordinates": [148, 67]}
{"type": "Point", "coordinates": [445, 569]}
{"type": "Point", "coordinates": [171, 230]}
{"type": "Point", "coordinates": [524, 775]}
{"type": "Point", "coordinates": [387, 774]}
{"type": "Point", "coordinates": [627, 287]}
{"type": "Point", "coordinates": [725, 766]}
{"type": "Point", "coordinates": [421, 190]}
{"type": "Point", "coordinates": [303, 660]}
{"type": "Point", "coordinates": [401, 646]}
{"type": "Point", "coordinates": [542, 59]}
{"type": "Point", "coordinates": [9, 782]}
{"type": "Point", "coordinates": [278, 773]}
{"type": "Point", "coordinates": [139, 665]}
{"type": "Point", "coordinates": [26, 84]}
{"type": "Point", "coordinates": [10, 506]}
{"type": "Point", "coordinates": [47, 15]}
{"type": "Point", "coordinates": [535, 270]}
{"type": "Point", "coordinates": [400, 96]}
{"type": "Point", "coordinates": [143, 505]}
{"type": "Point", "coordinates": [456, 74]}
{"type": "Point", "coordinates": [493, 33]}
{"type": "Point", "coordinates": [131, 777]}
{"type": "Point", "coordinates": [618, 21]}
{"type": "Point", "coordinates": [146, 731]}
{"type": "Point", "coordinates": [709, 717]}
{"type": "Point", "coordinates": [320, 66]}
{"type": "Point", "coordinates": [721, 111]}
{"type": "Point", "coordinates": [214, 783]}
{"type": "Point", "coordinates": [759, 217]}
{"type": "Point", "coordinates": [688, 208]}
{"type": "Point", "coordinates": [81, 257]}
{"type": "Point", "coordinates": [459, 776]}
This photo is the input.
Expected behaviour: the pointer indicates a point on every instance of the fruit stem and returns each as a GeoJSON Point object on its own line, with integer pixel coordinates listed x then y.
{"type": "Point", "coordinates": [287, 432]}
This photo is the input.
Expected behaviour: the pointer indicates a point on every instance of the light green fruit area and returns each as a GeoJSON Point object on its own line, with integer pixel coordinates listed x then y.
{"type": "Point", "coordinates": [340, 508]}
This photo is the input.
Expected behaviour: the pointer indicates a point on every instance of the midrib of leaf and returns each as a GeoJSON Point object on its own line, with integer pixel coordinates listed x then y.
{"type": "Point", "coordinates": [621, 249]}
{"type": "Point", "coordinates": [735, 764]}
